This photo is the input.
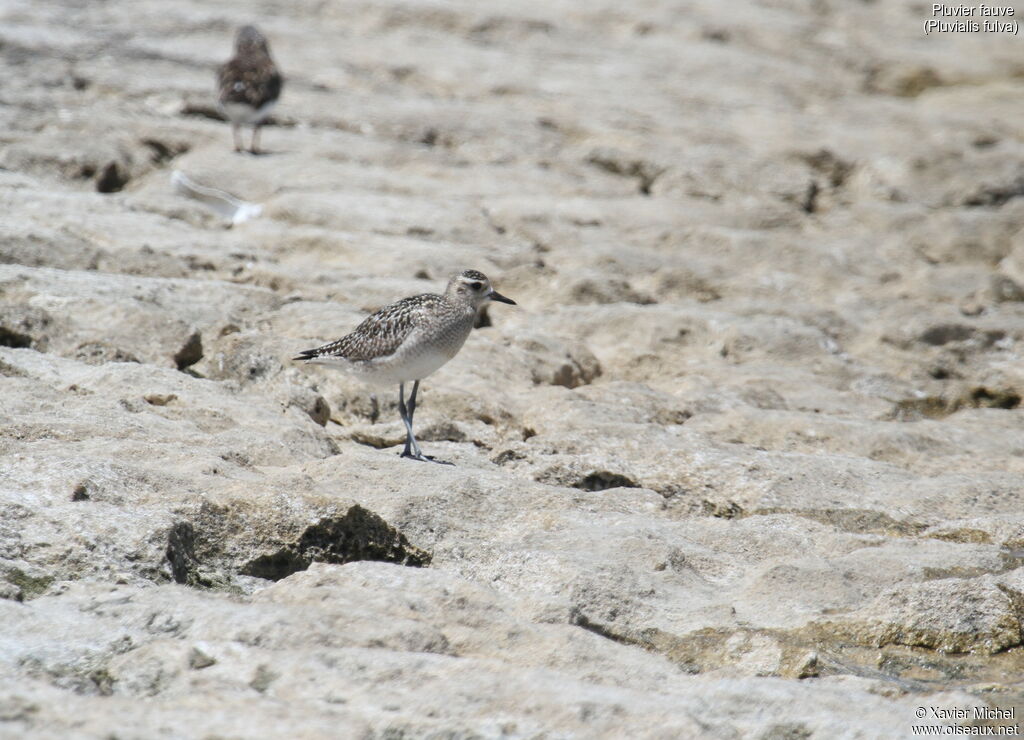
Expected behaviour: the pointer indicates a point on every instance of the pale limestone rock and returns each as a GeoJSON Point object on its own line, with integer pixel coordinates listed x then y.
{"type": "Point", "coordinates": [745, 461]}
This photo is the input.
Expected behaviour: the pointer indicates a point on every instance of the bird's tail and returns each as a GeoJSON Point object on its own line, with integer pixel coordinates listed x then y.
{"type": "Point", "coordinates": [307, 354]}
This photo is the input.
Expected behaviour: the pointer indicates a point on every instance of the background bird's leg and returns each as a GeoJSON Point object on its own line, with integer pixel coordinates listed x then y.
{"type": "Point", "coordinates": [235, 135]}
{"type": "Point", "coordinates": [254, 144]}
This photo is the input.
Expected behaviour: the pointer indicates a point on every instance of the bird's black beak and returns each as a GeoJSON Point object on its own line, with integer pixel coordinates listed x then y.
{"type": "Point", "coordinates": [496, 296]}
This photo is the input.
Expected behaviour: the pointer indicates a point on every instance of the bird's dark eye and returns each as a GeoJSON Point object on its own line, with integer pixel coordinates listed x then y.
{"type": "Point", "coordinates": [476, 286]}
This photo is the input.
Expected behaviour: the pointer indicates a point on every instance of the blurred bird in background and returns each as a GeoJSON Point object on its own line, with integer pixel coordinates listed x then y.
{"type": "Point", "coordinates": [248, 85]}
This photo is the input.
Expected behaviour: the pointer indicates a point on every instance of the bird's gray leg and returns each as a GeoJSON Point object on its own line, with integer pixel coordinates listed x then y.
{"type": "Point", "coordinates": [254, 144]}
{"type": "Point", "coordinates": [412, 400]}
{"type": "Point", "coordinates": [236, 137]}
{"type": "Point", "coordinates": [411, 411]}
{"type": "Point", "coordinates": [410, 441]}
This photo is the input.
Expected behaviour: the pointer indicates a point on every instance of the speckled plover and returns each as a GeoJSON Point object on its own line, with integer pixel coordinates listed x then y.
{"type": "Point", "coordinates": [248, 85]}
{"type": "Point", "coordinates": [408, 340]}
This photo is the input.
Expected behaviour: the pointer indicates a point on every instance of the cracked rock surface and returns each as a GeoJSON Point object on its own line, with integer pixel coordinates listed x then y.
{"type": "Point", "coordinates": [747, 459]}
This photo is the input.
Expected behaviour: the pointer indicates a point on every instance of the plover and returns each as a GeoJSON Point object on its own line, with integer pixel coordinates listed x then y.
{"type": "Point", "coordinates": [408, 340]}
{"type": "Point", "coordinates": [248, 85]}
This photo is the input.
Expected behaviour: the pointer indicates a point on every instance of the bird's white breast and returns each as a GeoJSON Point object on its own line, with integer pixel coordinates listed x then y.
{"type": "Point", "coordinates": [244, 114]}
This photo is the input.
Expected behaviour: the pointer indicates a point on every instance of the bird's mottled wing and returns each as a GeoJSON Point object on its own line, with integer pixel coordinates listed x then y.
{"type": "Point", "coordinates": [254, 82]}
{"type": "Point", "coordinates": [378, 335]}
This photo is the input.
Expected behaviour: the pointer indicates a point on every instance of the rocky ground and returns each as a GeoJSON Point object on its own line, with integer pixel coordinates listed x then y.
{"type": "Point", "coordinates": [746, 461]}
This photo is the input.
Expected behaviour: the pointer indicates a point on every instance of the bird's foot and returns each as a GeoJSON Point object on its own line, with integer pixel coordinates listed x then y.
{"type": "Point", "coordinates": [425, 458]}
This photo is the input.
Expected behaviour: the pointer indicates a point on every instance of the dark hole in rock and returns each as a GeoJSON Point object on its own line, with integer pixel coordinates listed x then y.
{"type": "Point", "coordinates": [935, 407]}
{"type": "Point", "coordinates": [995, 195]}
{"type": "Point", "coordinates": [277, 565]}
{"type": "Point", "coordinates": [98, 353]}
{"type": "Point", "coordinates": [603, 480]}
{"type": "Point", "coordinates": [81, 492]}
{"type": "Point", "coordinates": [163, 152]}
{"type": "Point", "coordinates": [442, 431]}
{"type": "Point", "coordinates": [103, 681]}
{"type": "Point", "coordinates": [612, 290]}
{"type": "Point", "coordinates": [379, 441]}
{"type": "Point", "coordinates": [358, 535]}
{"type": "Point", "coordinates": [904, 83]}
{"type": "Point", "coordinates": [824, 161]}
{"type": "Point", "coordinates": [321, 411]}
{"type": "Point", "coordinates": [617, 163]}
{"type": "Point", "coordinates": [647, 182]}
{"type": "Point", "coordinates": [507, 456]}
{"type": "Point", "coordinates": [191, 352]}
{"type": "Point", "coordinates": [15, 339]}
{"type": "Point", "coordinates": [181, 553]}
{"type": "Point", "coordinates": [717, 35]}
{"type": "Point", "coordinates": [196, 263]}
{"type": "Point", "coordinates": [809, 204]}
{"type": "Point", "coordinates": [11, 371]}
{"type": "Point", "coordinates": [565, 376]}
{"type": "Point", "coordinates": [483, 320]}
{"type": "Point", "coordinates": [721, 509]}
{"type": "Point", "coordinates": [930, 407]}
{"type": "Point", "coordinates": [500, 24]}
{"type": "Point", "coordinates": [984, 398]}
{"type": "Point", "coordinates": [945, 333]}
{"type": "Point", "coordinates": [854, 521]}
{"type": "Point", "coordinates": [112, 179]}
{"type": "Point", "coordinates": [29, 584]}
{"type": "Point", "coordinates": [429, 137]}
